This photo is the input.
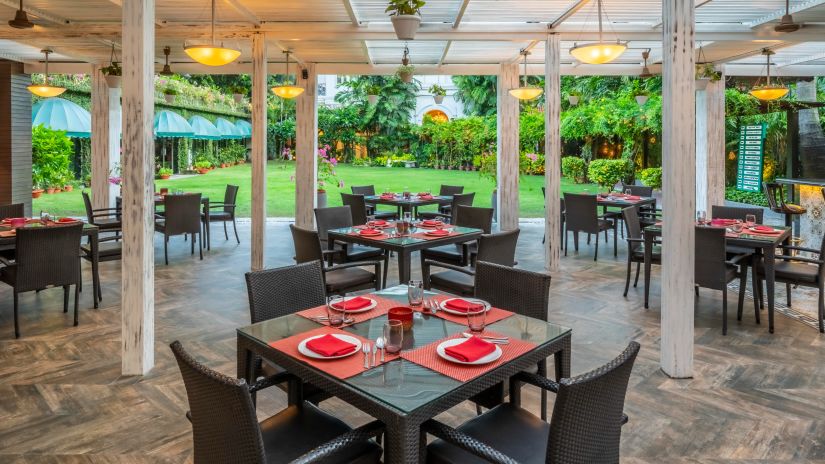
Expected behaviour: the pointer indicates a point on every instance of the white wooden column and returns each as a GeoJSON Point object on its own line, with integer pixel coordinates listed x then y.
{"type": "Point", "coordinates": [552, 153]}
{"type": "Point", "coordinates": [258, 155]}
{"type": "Point", "coordinates": [679, 187]}
{"type": "Point", "coordinates": [106, 122]}
{"type": "Point", "coordinates": [507, 147]}
{"type": "Point", "coordinates": [710, 146]}
{"type": "Point", "coordinates": [138, 272]}
{"type": "Point", "coordinates": [306, 147]}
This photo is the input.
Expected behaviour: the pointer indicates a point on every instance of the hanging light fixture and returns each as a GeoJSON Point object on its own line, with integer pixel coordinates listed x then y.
{"type": "Point", "coordinates": [769, 91]}
{"type": "Point", "coordinates": [287, 90]}
{"type": "Point", "coordinates": [21, 19]}
{"type": "Point", "coordinates": [598, 52]}
{"type": "Point", "coordinates": [212, 54]}
{"type": "Point", "coordinates": [645, 71]}
{"type": "Point", "coordinates": [46, 90]}
{"type": "Point", "coordinates": [525, 92]}
{"type": "Point", "coordinates": [167, 70]}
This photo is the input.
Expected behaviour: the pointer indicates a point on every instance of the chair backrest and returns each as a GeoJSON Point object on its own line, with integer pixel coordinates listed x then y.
{"type": "Point", "coordinates": [87, 202]}
{"type": "Point", "coordinates": [775, 195]}
{"type": "Point", "coordinates": [498, 248]}
{"type": "Point", "coordinates": [639, 190]}
{"type": "Point", "coordinates": [518, 290]}
{"type": "Point", "coordinates": [580, 212]}
{"type": "Point", "coordinates": [14, 210]}
{"type": "Point", "coordinates": [561, 202]}
{"type": "Point", "coordinates": [229, 198]}
{"type": "Point", "coordinates": [474, 217]}
{"type": "Point", "coordinates": [736, 212]}
{"type": "Point", "coordinates": [710, 257]}
{"type": "Point", "coordinates": [334, 217]}
{"type": "Point", "coordinates": [586, 425]}
{"type": "Point", "coordinates": [460, 199]}
{"type": "Point", "coordinates": [365, 190]}
{"type": "Point", "coordinates": [47, 256]}
{"type": "Point", "coordinates": [448, 190]}
{"type": "Point", "coordinates": [632, 225]}
{"type": "Point", "coordinates": [225, 428]}
{"type": "Point", "coordinates": [357, 206]}
{"type": "Point", "coordinates": [307, 244]}
{"type": "Point", "coordinates": [182, 213]}
{"type": "Point", "coordinates": [285, 290]}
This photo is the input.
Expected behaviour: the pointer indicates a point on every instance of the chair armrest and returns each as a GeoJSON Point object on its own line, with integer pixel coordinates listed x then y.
{"type": "Point", "coordinates": [798, 248]}
{"type": "Point", "coordinates": [5, 261]}
{"type": "Point", "coordinates": [266, 382]}
{"type": "Point", "coordinates": [342, 442]}
{"type": "Point", "coordinates": [463, 270]}
{"type": "Point", "coordinates": [738, 258]}
{"type": "Point", "coordinates": [99, 210]}
{"type": "Point", "coordinates": [538, 381]}
{"type": "Point", "coordinates": [800, 259]}
{"type": "Point", "coordinates": [334, 251]}
{"type": "Point", "coordinates": [466, 442]}
{"type": "Point", "coordinates": [634, 240]}
{"type": "Point", "coordinates": [353, 264]}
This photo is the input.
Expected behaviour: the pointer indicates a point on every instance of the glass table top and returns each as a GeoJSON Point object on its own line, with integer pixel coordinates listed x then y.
{"type": "Point", "coordinates": [401, 384]}
{"type": "Point", "coordinates": [407, 239]}
{"type": "Point", "coordinates": [657, 229]}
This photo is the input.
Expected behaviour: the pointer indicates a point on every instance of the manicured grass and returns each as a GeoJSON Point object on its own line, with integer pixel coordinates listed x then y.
{"type": "Point", "coordinates": [281, 190]}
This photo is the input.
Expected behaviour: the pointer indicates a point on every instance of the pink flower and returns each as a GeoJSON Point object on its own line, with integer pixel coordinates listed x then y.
{"type": "Point", "coordinates": [333, 161]}
{"type": "Point", "coordinates": [340, 184]}
{"type": "Point", "coordinates": [532, 156]}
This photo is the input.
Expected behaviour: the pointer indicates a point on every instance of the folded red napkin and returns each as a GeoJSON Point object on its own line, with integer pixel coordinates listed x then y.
{"type": "Point", "coordinates": [762, 229]}
{"type": "Point", "coordinates": [464, 306]}
{"type": "Point", "coordinates": [377, 222]}
{"type": "Point", "coordinates": [370, 232]}
{"type": "Point", "coordinates": [424, 194]}
{"type": "Point", "coordinates": [387, 195]}
{"type": "Point", "coordinates": [66, 220]}
{"type": "Point", "coordinates": [470, 351]}
{"type": "Point", "coordinates": [722, 222]}
{"type": "Point", "coordinates": [351, 305]}
{"type": "Point", "coordinates": [438, 233]}
{"type": "Point", "coordinates": [431, 222]}
{"type": "Point", "coordinates": [329, 345]}
{"type": "Point", "coordinates": [632, 197]}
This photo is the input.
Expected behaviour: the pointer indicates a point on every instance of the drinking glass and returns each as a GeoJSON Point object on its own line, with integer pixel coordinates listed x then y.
{"type": "Point", "coordinates": [401, 228]}
{"type": "Point", "coordinates": [334, 316]}
{"type": "Point", "coordinates": [750, 220]}
{"type": "Point", "coordinates": [701, 217]}
{"type": "Point", "coordinates": [393, 336]}
{"type": "Point", "coordinates": [476, 320]}
{"type": "Point", "coordinates": [406, 193]}
{"type": "Point", "coordinates": [45, 217]}
{"type": "Point", "coordinates": [415, 293]}
{"type": "Point", "coordinates": [737, 227]}
{"type": "Point", "coordinates": [408, 217]}
{"type": "Point", "coordinates": [628, 192]}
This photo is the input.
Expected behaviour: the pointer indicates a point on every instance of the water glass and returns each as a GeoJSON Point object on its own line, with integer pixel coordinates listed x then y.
{"type": "Point", "coordinates": [701, 217]}
{"type": "Point", "coordinates": [335, 316]}
{"type": "Point", "coordinates": [737, 227]}
{"type": "Point", "coordinates": [415, 293]}
{"type": "Point", "coordinates": [477, 320]}
{"type": "Point", "coordinates": [750, 220]}
{"type": "Point", "coordinates": [393, 336]}
{"type": "Point", "coordinates": [401, 228]}
{"type": "Point", "coordinates": [406, 193]}
{"type": "Point", "coordinates": [628, 192]}
{"type": "Point", "coordinates": [45, 217]}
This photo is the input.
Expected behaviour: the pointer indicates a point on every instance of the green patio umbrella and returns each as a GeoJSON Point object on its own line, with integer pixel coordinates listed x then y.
{"type": "Point", "coordinates": [60, 114]}
{"type": "Point", "coordinates": [204, 129]}
{"type": "Point", "coordinates": [228, 130]}
{"type": "Point", "coordinates": [171, 124]}
{"type": "Point", "coordinates": [245, 128]}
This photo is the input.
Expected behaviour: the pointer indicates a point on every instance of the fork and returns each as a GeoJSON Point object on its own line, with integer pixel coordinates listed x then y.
{"type": "Point", "coordinates": [366, 349]}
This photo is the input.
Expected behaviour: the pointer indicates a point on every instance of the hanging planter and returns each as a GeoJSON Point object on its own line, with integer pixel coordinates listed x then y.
{"type": "Point", "coordinates": [641, 99]}
{"type": "Point", "coordinates": [705, 72]}
{"type": "Point", "coordinates": [573, 99]}
{"type": "Point", "coordinates": [169, 95]}
{"type": "Point", "coordinates": [405, 16]}
{"type": "Point", "coordinates": [372, 99]}
{"type": "Point", "coordinates": [405, 73]}
{"type": "Point", "coordinates": [438, 93]}
{"type": "Point", "coordinates": [113, 72]}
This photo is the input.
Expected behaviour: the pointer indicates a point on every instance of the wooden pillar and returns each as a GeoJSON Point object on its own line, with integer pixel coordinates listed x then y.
{"type": "Point", "coordinates": [258, 155]}
{"type": "Point", "coordinates": [306, 149]}
{"type": "Point", "coordinates": [15, 136]}
{"type": "Point", "coordinates": [138, 167]}
{"type": "Point", "coordinates": [507, 147]}
{"type": "Point", "coordinates": [106, 122]}
{"type": "Point", "coordinates": [710, 146]}
{"type": "Point", "coordinates": [552, 153]}
{"type": "Point", "coordinates": [679, 187]}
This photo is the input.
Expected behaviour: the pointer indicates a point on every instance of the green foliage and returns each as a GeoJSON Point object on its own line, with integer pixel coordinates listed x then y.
{"type": "Point", "coordinates": [437, 90]}
{"type": "Point", "coordinates": [51, 158]}
{"type": "Point", "coordinates": [707, 71]}
{"type": "Point", "coordinates": [489, 167]}
{"type": "Point", "coordinates": [404, 7]}
{"type": "Point", "coordinates": [170, 91]}
{"type": "Point", "coordinates": [477, 93]}
{"type": "Point", "coordinates": [652, 177]}
{"type": "Point", "coordinates": [339, 128]}
{"type": "Point", "coordinates": [574, 168]}
{"type": "Point", "coordinates": [112, 70]}
{"type": "Point", "coordinates": [236, 89]}
{"type": "Point", "coordinates": [164, 171]}
{"type": "Point", "coordinates": [751, 198]}
{"type": "Point", "coordinates": [203, 164]}
{"type": "Point", "coordinates": [608, 172]}
{"type": "Point", "coordinates": [454, 143]}
{"type": "Point", "coordinates": [230, 154]}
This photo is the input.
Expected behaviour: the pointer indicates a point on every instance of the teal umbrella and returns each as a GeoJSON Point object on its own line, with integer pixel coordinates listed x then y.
{"type": "Point", "coordinates": [244, 127]}
{"type": "Point", "coordinates": [171, 124]}
{"type": "Point", "coordinates": [204, 129]}
{"type": "Point", "coordinates": [228, 130]}
{"type": "Point", "coordinates": [60, 114]}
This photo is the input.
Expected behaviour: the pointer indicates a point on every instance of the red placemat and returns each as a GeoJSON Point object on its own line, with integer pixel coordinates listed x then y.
{"type": "Point", "coordinates": [493, 315]}
{"type": "Point", "coordinates": [341, 368]}
{"type": "Point", "coordinates": [381, 309]}
{"type": "Point", "coordinates": [424, 236]}
{"type": "Point", "coordinates": [371, 237]}
{"type": "Point", "coordinates": [428, 357]}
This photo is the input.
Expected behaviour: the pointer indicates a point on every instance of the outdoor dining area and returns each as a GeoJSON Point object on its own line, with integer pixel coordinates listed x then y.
{"type": "Point", "coordinates": [434, 323]}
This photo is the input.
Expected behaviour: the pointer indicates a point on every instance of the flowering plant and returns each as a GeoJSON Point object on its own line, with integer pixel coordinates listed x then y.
{"type": "Point", "coordinates": [114, 175]}
{"type": "Point", "coordinates": [326, 168]}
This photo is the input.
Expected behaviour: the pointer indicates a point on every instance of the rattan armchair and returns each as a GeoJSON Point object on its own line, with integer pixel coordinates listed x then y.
{"type": "Point", "coordinates": [714, 270]}
{"type": "Point", "coordinates": [225, 213]}
{"type": "Point", "coordinates": [106, 219]}
{"type": "Point", "coordinates": [636, 246]}
{"type": "Point", "coordinates": [585, 427]}
{"type": "Point", "coordinates": [369, 190]}
{"type": "Point", "coordinates": [225, 428]}
{"type": "Point", "coordinates": [448, 191]}
{"type": "Point", "coordinates": [459, 199]}
{"type": "Point", "coordinates": [14, 210]}
{"type": "Point", "coordinates": [336, 217]}
{"type": "Point", "coordinates": [581, 215]}
{"type": "Point", "coordinates": [182, 217]}
{"type": "Point", "coordinates": [459, 254]}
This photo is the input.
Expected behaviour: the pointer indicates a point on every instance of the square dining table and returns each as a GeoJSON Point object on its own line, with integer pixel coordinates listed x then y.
{"type": "Point", "coordinates": [410, 203]}
{"type": "Point", "coordinates": [401, 393]}
{"type": "Point", "coordinates": [403, 246]}
{"type": "Point", "coordinates": [760, 243]}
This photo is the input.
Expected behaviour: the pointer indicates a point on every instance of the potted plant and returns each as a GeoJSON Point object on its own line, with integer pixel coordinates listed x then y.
{"type": "Point", "coordinates": [373, 91]}
{"type": "Point", "coordinates": [405, 16]}
{"type": "Point", "coordinates": [641, 96]}
{"type": "Point", "coordinates": [438, 93]}
{"type": "Point", "coordinates": [68, 188]}
{"type": "Point", "coordinates": [112, 74]}
{"type": "Point", "coordinates": [326, 173]}
{"type": "Point", "coordinates": [238, 92]}
{"type": "Point", "coordinates": [573, 98]}
{"type": "Point", "coordinates": [705, 74]}
{"type": "Point", "coordinates": [164, 173]}
{"type": "Point", "coordinates": [169, 95]}
{"type": "Point", "coordinates": [405, 73]}
{"type": "Point", "coordinates": [202, 166]}
{"type": "Point", "coordinates": [36, 191]}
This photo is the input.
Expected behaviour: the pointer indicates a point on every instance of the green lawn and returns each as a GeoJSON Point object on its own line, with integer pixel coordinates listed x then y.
{"type": "Point", "coordinates": [281, 190]}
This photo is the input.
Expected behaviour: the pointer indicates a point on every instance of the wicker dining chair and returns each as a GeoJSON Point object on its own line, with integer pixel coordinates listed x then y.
{"type": "Point", "coordinates": [14, 210]}
{"type": "Point", "coordinates": [585, 427]}
{"type": "Point", "coordinates": [106, 219]}
{"type": "Point", "coordinates": [459, 199]}
{"type": "Point", "coordinates": [581, 215]}
{"type": "Point", "coordinates": [459, 254]}
{"type": "Point", "coordinates": [367, 191]}
{"type": "Point", "coordinates": [182, 217]}
{"type": "Point", "coordinates": [636, 246]}
{"type": "Point", "coordinates": [336, 217]}
{"type": "Point", "coordinates": [225, 428]}
{"type": "Point", "coordinates": [225, 213]}
{"type": "Point", "coordinates": [448, 191]}
{"type": "Point", "coordinates": [45, 257]}
{"type": "Point", "coordinates": [340, 278]}
{"type": "Point", "coordinates": [357, 207]}
{"type": "Point", "coordinates": [714, 270]}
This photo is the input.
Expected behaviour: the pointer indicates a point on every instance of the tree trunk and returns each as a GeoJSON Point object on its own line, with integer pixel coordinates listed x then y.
{"type": "Point", "coordinates": [811, 137]}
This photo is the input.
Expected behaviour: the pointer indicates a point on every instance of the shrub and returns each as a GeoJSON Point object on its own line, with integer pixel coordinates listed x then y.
{"type": "Point", "coordinates": [51, 157]}
{"type": "Point", "coordinates": [203, 165]}
{"type": "Point", "coordinates": [164, 172]}
{"type": "Point", "coordinates": [607, 172]}
{"type": "Point", "coordinates": [574, 168]}
{"type": "Point", "coordinates": [652, 177]}
{"type": "Point", "coordinates": [751, 198]}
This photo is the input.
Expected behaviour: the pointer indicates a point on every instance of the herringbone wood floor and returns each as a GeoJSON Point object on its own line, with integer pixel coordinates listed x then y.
{"type": "Point", "coordinates": [755, 397]}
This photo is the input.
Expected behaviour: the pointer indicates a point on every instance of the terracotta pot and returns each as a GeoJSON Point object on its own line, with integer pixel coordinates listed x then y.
{"type": "Point", "coordinates": [164, 176]}
{"type": "Point", "coordinates": [58, 190]}
{"type": "Point", "coordinates": [36, 193]}
{"type": "Point", "coordinates": [49, 190]}
{"type": "Point", "coordinates": [224, 165]}
{"type": "Point", "coordinates": [573, 99]}
{"type": "Point", "coordinates": [113, 82]}
{"type": "Point", "coordinates": [169, 98]}
{"type": "Point", "coordinates": [68, 188]}
{"type": "Point", "coordinates": [641, 99]}
{"type": "Point", "coordinates": [405, 26]}
{"type": "Point", "coordinates": [406, 77]}
{"type": "Point", "coordinates": [202, 170]}
{"type": "Point", "coordinates": [438, 99]}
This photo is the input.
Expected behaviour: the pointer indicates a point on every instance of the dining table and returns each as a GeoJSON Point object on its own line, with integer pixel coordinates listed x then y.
{"type": "Point", "coordinates": [406, 389]}
{"type": "Point", "coordinates": [762, 244]}
{"type": "Point", "coordinates": [408, 203]}
{"type": "Point", "coordinates": [403, 245]}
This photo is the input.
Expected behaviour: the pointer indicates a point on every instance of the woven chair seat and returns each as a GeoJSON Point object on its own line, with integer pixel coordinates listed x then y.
{"type": "Point", "coordinates": [453, 282]}
{"type": "Point", "coordinates": [347, 278]}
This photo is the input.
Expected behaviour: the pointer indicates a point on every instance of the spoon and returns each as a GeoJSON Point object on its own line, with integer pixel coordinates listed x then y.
{"type": "Point", "coordinates": [379, 343]}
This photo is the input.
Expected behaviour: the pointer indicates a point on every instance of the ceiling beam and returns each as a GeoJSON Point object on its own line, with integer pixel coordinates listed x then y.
{"type": "Point", "coordinates": [699, 4]}
{"type": "Point", "coordinates": [353, 16]}
{"type": "Point", "coordinates": [284, 48]}
{"type": "Point", "coordinates": [801, 59]}
{"type": "Point", "coordinates": [158, 22]}
{"type": "Point", "coordinates": [795, 8]}
{"type": "Point", "coordinates": [460, 14]}
{"type": "Point", "coordinates": [244, 11]}
{"type": "Point", "coordinates": [570, 11]}
{"type": "Point", "coordinates": [367, 52]}
{"type": "Point", "coordinates": [444, 53]}
{"type": "Point", "coordinates": [754, 52]}
{"type": "Point", "coordinates": [529, 47]}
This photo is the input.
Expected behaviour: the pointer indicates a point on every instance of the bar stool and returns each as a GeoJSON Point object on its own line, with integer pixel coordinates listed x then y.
{"type": "Point", "coordinates": [776, 200]}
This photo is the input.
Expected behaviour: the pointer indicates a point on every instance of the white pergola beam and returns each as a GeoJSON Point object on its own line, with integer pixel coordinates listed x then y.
{"type": "Point", "coordinates": [244, 11]}
{"type": "Point", "coordinates": [39, 14]}
{"type": "Point", "coordinates": [460, 14]}
{"type": "Point", "coordinates": [444, 53]}
{"type": "Point", "coordinates": [353, 16]}
{"type": "Point", "coordinates": [119, 3]}
{"type": "Point", "coordinates": [801, 59]}
{"type": "Point", "coordinates": [699, 4]}
{"type": "Point", "coordinates": [570, 11]}
{"type": "Point", "coordinates": [795, 8]}
{"type": "Point", "coordinates": [507, 147]}
{"type": "Point", "coordinates": [306, 148]}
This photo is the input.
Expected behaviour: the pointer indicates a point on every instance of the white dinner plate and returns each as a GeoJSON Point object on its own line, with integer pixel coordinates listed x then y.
{"type": "Point", "coordinates": [372, 305]}
{"type": "Point", "coordinates": [444, 307]}
{"type": "Point", "coordinates": [448, 343]}
{"type": "Point", "coordinates": [302, 347]}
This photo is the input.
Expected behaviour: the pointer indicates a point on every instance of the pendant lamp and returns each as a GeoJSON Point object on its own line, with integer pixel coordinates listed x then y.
{"type": "Point", "coordinates": [287, 90]}
{"type": "Point", "coordinates": [598, 52]}
{"type": "Point", "coordinates": [525, 92]}
{"type": "Point", "coordinates": [46, 90]}
{"type": "Point", "coordinates": [212, 54]}
{"type": "Point", "coordinates": [769, 92]}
